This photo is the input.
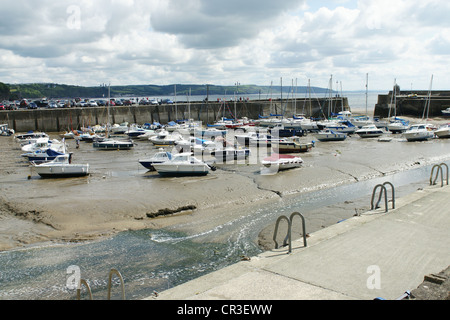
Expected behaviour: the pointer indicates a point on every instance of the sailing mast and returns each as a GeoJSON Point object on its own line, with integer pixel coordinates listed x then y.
{"type": "Point", "coordinates": [176, 105]}
{"type": "Point", "coordinates": [108, 106]}
{"type": "Point", "coordinates": [428, 100]}
{"type": "Point", "coordinates": [367, 92]}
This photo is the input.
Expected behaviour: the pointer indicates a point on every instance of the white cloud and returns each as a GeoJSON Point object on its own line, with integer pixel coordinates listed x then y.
{"type": "Point", "coordinates": [211, 41]}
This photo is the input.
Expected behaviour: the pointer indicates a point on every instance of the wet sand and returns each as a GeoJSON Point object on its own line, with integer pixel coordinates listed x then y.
{"type": "Point", "coordinates": [119, 194]}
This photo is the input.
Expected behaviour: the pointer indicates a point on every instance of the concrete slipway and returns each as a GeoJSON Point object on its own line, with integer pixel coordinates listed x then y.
{"type": "Point", "coordinates": [376, 254]}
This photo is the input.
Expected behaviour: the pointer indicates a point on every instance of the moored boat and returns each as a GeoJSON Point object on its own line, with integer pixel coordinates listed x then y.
{"type": "Point", "coordinates": [112, 144]}
{"type": "Point", "coordinates": [398, 125]}
{"type": "Point", "coordinates": [278, 162]}
{"type": "Point", "coordinates": [369, 131]}
{"type": "Point", "coordinates": [446, 112]}
{"type": "Point", "coordinates": [160, 157]}
{"type": "Point", "coordinates": [41, 156]}
{"type": "Point", "coordinates": [183, 164]}
{"type": "Point", "coordinates": [61, 167]}
{"type": "Point", "coordinates": [292, 145]}
{"type": "Point", "coordinates": [330, 135]}
{"type": "Point", "coordinates": [443, 131]}
{"type": "Point", "coordinates": [419, 132]}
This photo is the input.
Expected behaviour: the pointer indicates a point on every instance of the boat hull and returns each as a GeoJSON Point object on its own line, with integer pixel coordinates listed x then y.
{"type": "Point", "coordinates": [174, 170]}
{"type": "Point", "coordinates": [292, 147]}
{"type": "Point", "coordinates": [230, 155]}
{"type": "Point", "coordinates": [113, 145]}
{"type": "Point", "coordinates": [64, 171]}
{"type": "Point", "coordinates": [370, 134]}
{"type": "Point", "coordinates": [418, 136]}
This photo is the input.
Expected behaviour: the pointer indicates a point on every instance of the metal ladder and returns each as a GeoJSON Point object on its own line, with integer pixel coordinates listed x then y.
{"type": "Point", "coordinates": [111, 273]}
{"type": "Point", "coordinates": [288, 238]}
{"type": "Point", "coordinates": [439, 170]}
{"type": "Point", "coordinates": [383, 191]}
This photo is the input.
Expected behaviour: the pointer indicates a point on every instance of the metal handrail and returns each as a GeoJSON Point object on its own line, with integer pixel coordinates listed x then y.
{"type": "Point", "coordinates": [288, 234]}
{"type": "Point", "coordinates": [383, 190]}
{"type": "Point", "coordinates": [439, 170]}
{"type": "Point", "coordinates": [303, 225]}
{"type": "Point", "coordinates": [117, 273]}
{"type": "Point", "coordinates": [288, 238]}
{"type": "Point", "coordinates": [84, 283]}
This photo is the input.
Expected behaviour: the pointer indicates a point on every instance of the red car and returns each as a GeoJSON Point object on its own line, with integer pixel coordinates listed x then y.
{"type": "Point", "coordinates": [2, 107]}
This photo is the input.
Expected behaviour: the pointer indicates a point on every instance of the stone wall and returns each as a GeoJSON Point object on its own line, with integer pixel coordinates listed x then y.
{"type": "Point", "coordinates": [59, 120]}
{"type": "Point", "coordinates": [412, 104]}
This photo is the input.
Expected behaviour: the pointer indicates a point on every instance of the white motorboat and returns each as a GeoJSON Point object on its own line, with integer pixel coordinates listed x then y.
{"type": "Point", "coordinates": [361, 121]}
{"type": "Point", "coordinates": [443, 131]}
{"type": "Point", "coordinates": [43, 144]}
{"type": "Point", "coordinates": [30, 135]}
{"type": "Point", "coordinates": [419, 132]}
{"type": "Point", "coordinates": [330, 135]}
{"type": "Point", "coordinates": [61, 167]}
{"type": "Point", "coordinates": [305, 123]}
{"type": "Point", "coordinates": [446, 112]}
{"type": "Point", "coordinates": [183, 164]}
{"type": "Point", "coordinates": [369, 131]}
{"type": "Point", "coordinates": [119, 128]}
{"type": "Point", "coordinates": [160, 157]}
{"type": "Point", "coordinates": [164, 138]}
{"type": "Point", "coordinates": [292, 145]}
{"type": "Point", "coordinates": [112, 144]}
{"type": "Point", "coordinates": [341, 126]}
{"type": "Point", "coordinates": [137, 131]}
{"type": "Point", "coordinates": [398, 125]}
{"type": "Point", "coordinates": [278, 162]}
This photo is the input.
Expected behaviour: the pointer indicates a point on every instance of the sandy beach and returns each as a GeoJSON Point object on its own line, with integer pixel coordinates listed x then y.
{"type": "Point", "coordinates": [120, 195]}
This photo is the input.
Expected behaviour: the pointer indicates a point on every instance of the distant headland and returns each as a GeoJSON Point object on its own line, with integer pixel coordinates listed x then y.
{"type": "Point", "coordinates": [53, 90]}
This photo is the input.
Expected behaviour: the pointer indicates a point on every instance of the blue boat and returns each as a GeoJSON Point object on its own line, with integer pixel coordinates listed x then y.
{"type": "Point", "coordinates": [42, 156]}
{"type": "Point", "coordinates": [159, 157]}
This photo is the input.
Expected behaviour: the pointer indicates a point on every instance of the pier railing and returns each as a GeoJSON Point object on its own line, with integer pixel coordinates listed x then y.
{"type": "Point", "coordinates": [288, 238]}
{"type": "Point", "coordinates": [383, 191]}
{"type": "Point", "coordinates": [439, 172]}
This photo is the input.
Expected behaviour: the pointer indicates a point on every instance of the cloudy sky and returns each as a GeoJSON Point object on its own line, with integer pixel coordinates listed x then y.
{"type": "Point", "coordinates": [123, 42]}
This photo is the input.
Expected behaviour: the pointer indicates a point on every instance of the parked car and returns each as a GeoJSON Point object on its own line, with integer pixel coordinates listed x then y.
{"type": "Point", "coordinates": [32, 105]}
{"type": "Point", "coordinates": [166, 101]}
{"type": "Point", "coordinates": [143, 102]}
{"type": "Point", "coordinates": [2, 106]}
{"type": "Point", "coordinates": [153, 102]}
{"type": "Point", "coordinates": [92, 104]}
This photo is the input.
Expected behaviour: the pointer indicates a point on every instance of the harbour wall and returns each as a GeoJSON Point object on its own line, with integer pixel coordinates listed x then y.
{"type": "Point", "coordinates": [409, 103]}
{"type": "Point", "coordinates": [65, 119]}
